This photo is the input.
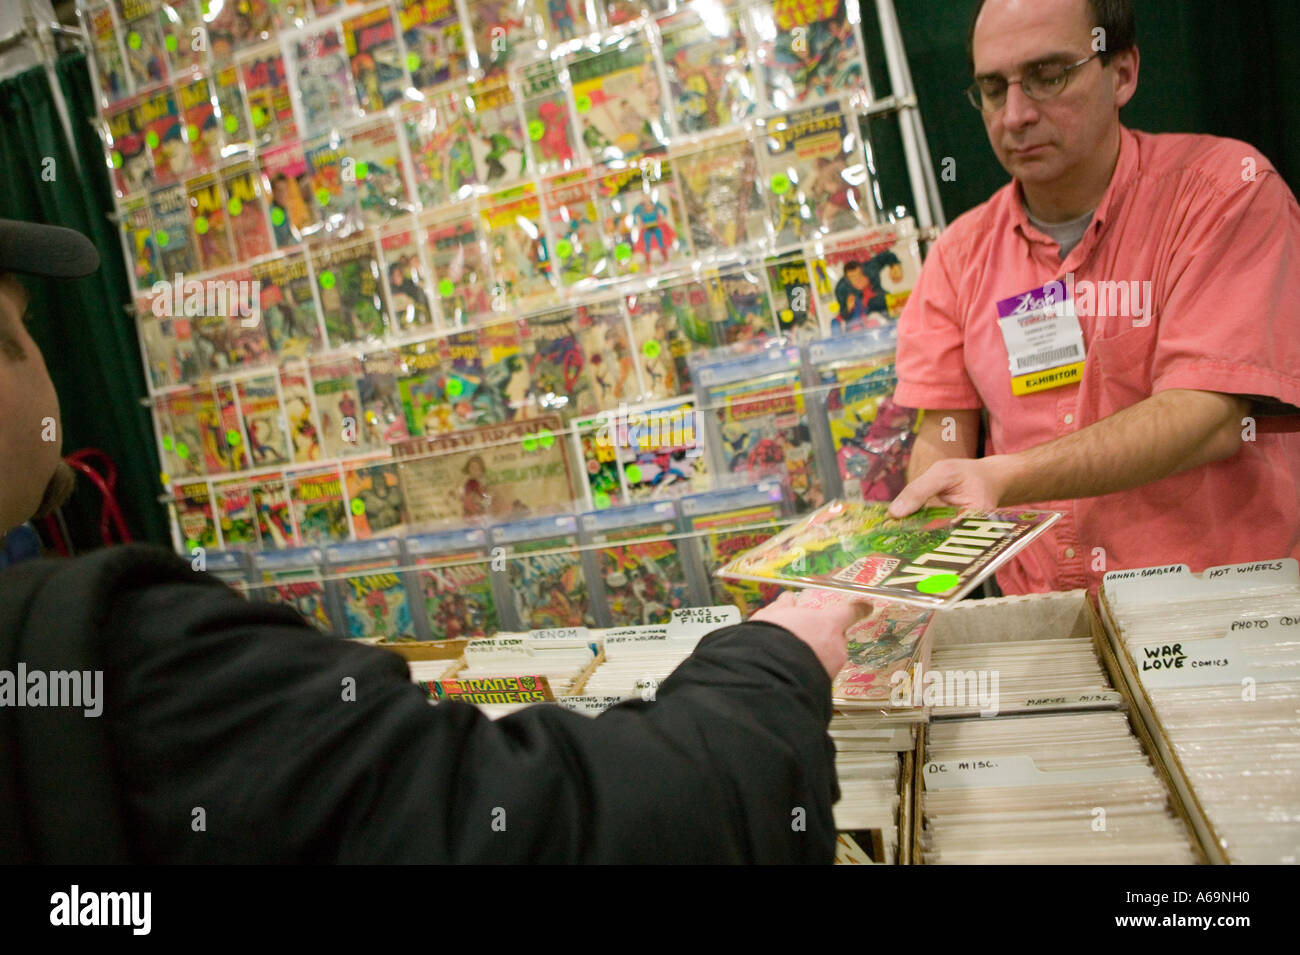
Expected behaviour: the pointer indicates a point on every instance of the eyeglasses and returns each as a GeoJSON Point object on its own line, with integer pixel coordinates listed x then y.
{"type": "Point", "coordinates": [1041, 82]}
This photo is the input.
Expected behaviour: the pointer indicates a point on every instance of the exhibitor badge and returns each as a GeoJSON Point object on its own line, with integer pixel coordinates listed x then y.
{"type": "Point", "coordinates": [1044, 341]}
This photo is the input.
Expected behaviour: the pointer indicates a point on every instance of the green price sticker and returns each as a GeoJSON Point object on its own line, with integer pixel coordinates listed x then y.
{"type": "Point", "coordinates": [277, 216]}
{"type": "Point", "coordinates": [601, 500]}
{"type": "Point", "coordinates": [162, 237]}
{"type": "Point", "coordinates": [780, 183]}
{"type": "Point", "coordinates": [545, 438]}
{"type": "Point", "coordinates": [133, 40]}
{"type": "Point", "coordinates": [201, 225]}
{"type": "Point", "coordinates": [454, 387]}
{"type": "Point", "coordinates": [171, 44]}
{"type": "Point", "coordinates": [323, 196]}
{"type": "Point", "coordinates": [168, 444]}
{"type": "Point", "coordinates": [536, 129]}
{"type": "Point", "coordinates": [529, 442]}
{"type": "Point", "coordinates": [231, 123]}
{"type": "Point", "coordinates": [583, 103]}
{"type": "Point", "coordinates": [151, 139]}
{"type": "Point", "coordinates": [446, 287]}
{"type": "Point", "coordinates": [191, 132]}
{"type": "Point", "coordinates": [564, 248]}
{"type": "Point", "coordinates": [183, 451]}
{"type": "Point", "coordinates": [327, 279]}
{"type": "Point", "coordinates": [623, 252]}
{"type": "Point", "coordinates": [412, 61]}
{"type": "Point", "coordinates": [234, 438]}
{"type": "Point", "coordinates": [650, 349]}
{"type": "Point", "coordinates": [259, 117]}
{"type": "Point", "coordinates": [235, 205]}
{"type": "Point", "coordinates": [191, 544]}
{"type": "Point", "coordinates": [117, 159]}
{"type": "Point", "coordinates": [358, 506]}
{"type": "Point", "coordinates": [634, 474]}
{"type": "Point", "coordinates": [938, 584]}
{"type": "Point", "coordinates": [361, 170]}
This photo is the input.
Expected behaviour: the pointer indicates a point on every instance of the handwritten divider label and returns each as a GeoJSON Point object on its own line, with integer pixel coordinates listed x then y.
{"type": "Point", "coordinates": [1242, 653]}
{"type": "Point", "coordinates": [557, 637]}
{"type": "Point", "coordinates": [692, 621]}
{"type": "Point", "coordinates": [1108, 698]}
{"type": "Point", "coordinates": [1002, 771]}
{"type": "Point", "coordinates": [589, 705]}
{"type": "Point", "coordinates": [497, 646]}
{"type": "Point", "coordinates": [1155, 584]}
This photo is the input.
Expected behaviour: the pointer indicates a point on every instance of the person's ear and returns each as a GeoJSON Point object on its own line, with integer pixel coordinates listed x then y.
{"type": "Point", "coordinates": [1124, 74]}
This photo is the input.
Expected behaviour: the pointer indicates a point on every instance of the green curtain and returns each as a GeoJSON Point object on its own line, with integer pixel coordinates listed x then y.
{"type": "Point", "coordinates": [88, 341]}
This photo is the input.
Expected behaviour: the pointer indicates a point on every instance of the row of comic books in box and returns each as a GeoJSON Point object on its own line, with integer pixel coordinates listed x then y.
{"type": "Point", "coordinates": [353, 296]}
{"type": "Point", "coordinates": [695, 68]}
{"type": "Point", "coordinates": [625, 567]}
{"type": "Point", "coordinates": [799, 179]}
{"type": "Point", "coordinates": [821, 424]}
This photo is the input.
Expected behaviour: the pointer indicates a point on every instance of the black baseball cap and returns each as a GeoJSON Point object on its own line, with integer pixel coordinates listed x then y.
{"type": "Point", "coordinates": [47, 251]}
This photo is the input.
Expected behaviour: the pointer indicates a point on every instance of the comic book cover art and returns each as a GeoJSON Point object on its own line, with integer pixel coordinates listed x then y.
{"type": "Point", "coordinates": [457, 592]}
{"type": "Point", "coordinates": [504, 31]}
{"type": "Point", "coordinates": [442, 159]}
{"type": "Point", "coordinates": [454, 392]}
{"type": "Point", "coordinates": [618, 102]}
{"type": "Point", "coordinates": [142, 32]}
{"type": "Point", "coordinates": [760, 407]}
{"type": "Point", "coordinates": [337, 391]}
{"type": "Point", "coordinates": [856, 547]}
{"type": "Point", "coordinates": [552, 143]}
{"type": "Point", "coordinates": [420, 388]}
{"type": "Point", "coordinates": [213, 441]}
{"type": "Point", "coordinates": [110, 62]}
{"type": "Point", "coordinates": [351, 292]}
{"type": "Point", "coordinates": [170, 211]}
{"type": "Point", "coordinates": [435, 42]}
{"type": "Point", "coordinates": [809, 50]}
{"type": "Point", "coordinates": [266, 91]}
{"type": "Point", "coordinates": [294, 579]}
{"type": "Point", "coordinates": [565, 20]}
{"type": "Point", "coordinates": [643, 217]}
{"type": "Point", "coordinates": [274, 515]}
{"type": "Point", "coordinates": [131, 162]}
{"type": "Point", "coordinates": [557, 372]}
{"type": "Point", "coordinates": [549, 584]}
{"type": "Point", "coordinates": [208, 218]}
{"type": "Point", "coordinates": [233, 27]}
{"type": "Point", "coordinates": [158, 346]}
{"type": "Point", "coordinates": [790, 281]}
{"type": "Point", "coordinates": [331, 184]}
{"type": "Point", "coordinates": [521, 262]}
{"type": "Point", "coordinates": [506, 382]}
{"type": "Point", "coordinates": [492, 472]}
{"type": "Point", "coordinates": [212, 346]}
{"type": "Point", "coordinates": [195, 515]}
{"type": "Point", "coordinates": [249, 234]}
{"type": "Point", "coordinates": [374, 157]}
{"type": "Point", "coordinates": [498, 135]}
{"type": "Point", "coordinates": [582, 255]}
{"type": "Point", "coordinates": [814, 173]}
{"type": "Point", "coordinates": [232, 110]}
{"type": "Point", "coordinates": [323, 78]}
{"type": "Point", "coordinates": [373, 600]}
{"type": "Point", "coordinates": [461, 273]}
{"type": "Point", "coordinates": [318, 506]}
{"type": "Point", "coordinates": [299, 412]}
{"type": "Point", "coordinates": [669, 325]}
{"type": "Point", "coordinates": [742, 309]}
{"type": "Point", "coordinates": [288, 307]}
{"type": "Point", "coordinates": [618, 12]}
{"type": "Point", "coordinates": [719, 187]}
{"type": "Point", "coordinates": [374, 59]}
{"type": "Point", "coordinates": [181, 439]}
{"type": "Point", "coordinates": [599, 472]}
{"type": "Point", "coordinates": [264, 421]}
{"type": "Point", "coordinates": [604, 339]}
{"type": "Point", "coordinates": [706, 59]}
{"type": "Point", "coordinates": [643, 576]}
{"type": "Point", "coordinates": [179, 20]}
{"type": "Point", "coordinates": [160, 118]}
{"type": "Point", "coordinates": [381, 407]}
{"type": "Point", "coordinates": [885, 642]}
{"type": "Point", "coordinates": [374, 498]}
{"type": "Point", "coordinates": [722, 532]}
{"type": "Point", "coordinates": [863, 281]}
{"type": "Point", "coordinates": [249, 346]}
{"type": "Point", "coordinates": [286, 183]}
{"type": "Point", "coordinates": [662, 454]}
{"type": "Point", "coordinates": [141, 246]}
{"type": "Point", "coordinates": [202, 129]}
{"type": "Point", "coordinates": [234, 500]}
{"type": "Point", "coordinates": [233, 441]}
{"type": "Point", "coordinates": [408, 298]}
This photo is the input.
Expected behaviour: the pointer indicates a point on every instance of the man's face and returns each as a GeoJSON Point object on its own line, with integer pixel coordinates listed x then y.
{"type": "Point", "coordinates": [857, 278]}
{"type": "Point", "coordinates": [28, 407]}
{"type": "Point", "coordinates": [1041, 143]}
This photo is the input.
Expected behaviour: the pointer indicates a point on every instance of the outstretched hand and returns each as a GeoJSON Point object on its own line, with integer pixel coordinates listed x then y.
{"type": "Point", "coordinates": [955, 482]}
{"type": "Point", "coordinates": [820, 619]}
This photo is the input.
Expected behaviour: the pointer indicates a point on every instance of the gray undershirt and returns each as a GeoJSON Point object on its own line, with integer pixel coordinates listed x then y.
{"type": "Point", "coordinates": [1067, 234]}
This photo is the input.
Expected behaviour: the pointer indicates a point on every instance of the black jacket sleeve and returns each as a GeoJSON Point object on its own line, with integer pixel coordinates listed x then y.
{"type": "Point", "coordinates": [240, 734]}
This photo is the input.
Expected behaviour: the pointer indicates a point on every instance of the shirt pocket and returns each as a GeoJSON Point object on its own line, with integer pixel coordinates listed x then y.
{"type": "Point", "coordinates": [1118, 372]}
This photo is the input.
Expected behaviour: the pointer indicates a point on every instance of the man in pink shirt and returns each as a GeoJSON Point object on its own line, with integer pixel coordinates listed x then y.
{"type": "Point", "coordinates": [1125, 310]}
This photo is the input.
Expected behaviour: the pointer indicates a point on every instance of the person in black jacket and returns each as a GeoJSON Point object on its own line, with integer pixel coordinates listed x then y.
{"type": "Point", "coordinates": [234, 732]}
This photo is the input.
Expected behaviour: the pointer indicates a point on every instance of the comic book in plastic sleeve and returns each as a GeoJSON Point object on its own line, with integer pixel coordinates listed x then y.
{"type": "Point", "coordinates": [605, 339]}
{"type": "Point", "coordinates": [493, 472]}
{"type": "Point", "coordinates": [618, 102]}
{"type": "Point", "coordinates": [234, 508]}
{"type": "Point", "coordinates": [809, 50]}
{"type": "Point", "coordinates": [249, 346]}
{"type": "Point", "coordinates": [374, 153]}
{"type": "Point", "coordinates": [141, 246]}
{"type": "Point", "coordinates": [331, 184]}
{"type": "Point", "coordinates": [208, 219]}
{"type": "Point", "coordinates": [581, 254]}
{"type": "Point", "coordinates": [863, 280]}
{"type": "Point", "coordinates": [566, 20]}
{"type": "Point", "coordinates": [274, 514]}
{"type": "Point", "coordinates": [722, 524]}
{"type": "Point", "coordinates": [286, 184]}
{"type": "Point", "coordinates": [233, 109]}
{"type": "Point", "coordinates": [300, 414]}
{"type": "Point", "coordinates": [434, 39]}
{"type": "Point", "coordinates": [337, 392]}
{"type": "Point", "coordinates": [160, 118]}
{"type": "Point", "coordinates": [522, 270]}
{"type": "Point", "coordinates": [320, 79]}
{"type": "Point", "coordinates": [545, 574]}
{"type": "Point", "coordinates": [293, 577]}
{"type": "Point", "coordinates": [372, 596]}
{"type": "Point", "coordinates": [498, 134]}
{"type": "Point", "coordinates": [381, 407]}
{"type": "Point", "coordinates": [170, 211]}
{"type": "Point", "coordinates": [760, 421]}
{"type": "Point", "coordinates": [232, 427]}
{"type": "Point", "coordinates": [351, 291]}
{"type": "Point", "coordinates": [644, 218]}
{"type": "Point", "coordinates": [182, 445]}
{"type": "Point", "coordinates": [791, 284]}
{"type": "Point", "coordinates": [264, 421]}
{"type": "Point", "coordinates": [196, 515]}
{"type": "Point", "coordinates": [460, 271]}
{"type": "Point", "coordinates": [619, 12]}
{"type": "Point", "coordinates": [890, 640]}
{"type": "Point", "coordinates": [266, 91]}
{"type": "Point", "coordinates": [249, 232]}
{"type": "Point", "coordinates": [599, 473]}
{"type": "Point", "coordinates": [504, 393]}
{"type": "Point", "coordinates": [318, 506]}
{"type": "Point", "coordinates": [438, 140]}
{"type": "Point", "coordinates": [931, 558]}
{"type": "Point", "coordinates": [220, 430]}
{"type": "Point", "coordinates": [146, 61]}
{"type": "Point", "coordinates": [466, 390]}
{"type": "Point", "coordinates": [199, 115]}
{"type": "Point", "coordinates": [419, 387]}
{"type": "Point", "coordinates": [157, 347]}
{"type": "Point", "coordinates": [179, 19]}
{"type": "Point", "coordinates": [662, 341]}
{"type": "Point", "coordinates": [374, 497]}
{"type": "Point", "coordinates": [640, 576]}
{"type": "Point", "coordinates": [504, 32]}
{"type": "Point", "coordinates": [110, 62]}
{"type": "Point", "coordinates": [706, 60]}
{"type": "Point", "coordinates": [405, 273]}
{"type": "Point", "coordinates": [557, 376]}
{"type": "Point", "coordinates": [288, 307]}
{"type": "Point", "coordinates": [453, 584]}
{"type": "Point", "coordinates": [742, 308]}
{"type": "Point", "coordinates": [231, 568]}
{"type": "Point", "coordinates": [662, 451]}
{"type": "Point", "coordinates": [232, 27]}
{"type": "Point", "coordinates": [375, 59]}
{"type": "Point", "coordinates": [814, 173]}
{"type": "Point", "coordinates": [719, 185]}
{"type": "Point", "coordinates": [869, 435]}
{"type": "Point", "coordinates": [130, 161]}
{"type": "Point", "coordinates": [548, 122]}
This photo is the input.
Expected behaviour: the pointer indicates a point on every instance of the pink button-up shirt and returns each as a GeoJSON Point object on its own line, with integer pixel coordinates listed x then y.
{"type": "Point", "coordinates": [1214, 233]}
